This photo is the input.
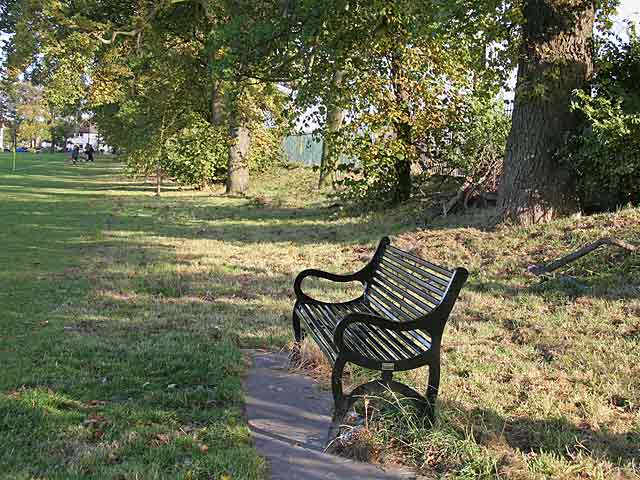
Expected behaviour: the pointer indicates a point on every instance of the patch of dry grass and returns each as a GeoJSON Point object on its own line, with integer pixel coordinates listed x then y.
{"type": "Point", "coordinates": [540, 378]}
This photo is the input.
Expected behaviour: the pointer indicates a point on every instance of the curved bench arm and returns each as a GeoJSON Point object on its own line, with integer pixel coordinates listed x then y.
{"type": "Point", "coordinates": [361, 276]}
{"type": "Point", "coordinates": [428, 323]}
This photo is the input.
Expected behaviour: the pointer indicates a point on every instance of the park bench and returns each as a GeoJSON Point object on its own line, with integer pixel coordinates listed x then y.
{"type": "Point", "coordinates": [395, 325]}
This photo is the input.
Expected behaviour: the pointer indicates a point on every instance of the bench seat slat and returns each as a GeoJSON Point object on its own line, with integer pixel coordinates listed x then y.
{"type": "Point", "coordinates": [423, 342]}
{"type": "Point", "coordinates": [408, 291]}
{"type": "Point", "coordinates": [402, 253]}
{"type": "Point", "coordinates": [427, 290]}
{"type": "Point", "coordinates": [419, 336]}
{"type": "Point", "coordinates": [359, 342]}
{"type": "Point", "coordinates": [409, 338]}
{"type": "Point", "coordinates": [437, 282]}
{"type": "Point", "coordinates": [318, 332]}
{"type": "Point", "coordinates": [397, 350]}
{"type": "Point", "coordinates": [386, 310]}
{"type": "Point", "coordinates": [381, 287]}
{"type": "Point", "coordinates": [353, 341]}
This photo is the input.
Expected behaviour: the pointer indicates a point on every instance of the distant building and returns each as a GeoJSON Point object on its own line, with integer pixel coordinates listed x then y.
{"type": "Point", "coordinates": [88, 133]}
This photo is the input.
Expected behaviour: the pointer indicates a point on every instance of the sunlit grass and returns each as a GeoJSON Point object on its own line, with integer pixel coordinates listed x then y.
{"type": "Point", "coordinates": [123, 316]}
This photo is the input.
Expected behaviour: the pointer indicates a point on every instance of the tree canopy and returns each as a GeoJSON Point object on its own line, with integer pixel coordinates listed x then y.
{"type": "Point", "coordinates": [390, 85]}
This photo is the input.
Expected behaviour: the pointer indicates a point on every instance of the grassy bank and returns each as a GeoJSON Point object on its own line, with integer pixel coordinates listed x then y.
{"type": "Point", "coordinates": [122, 317]}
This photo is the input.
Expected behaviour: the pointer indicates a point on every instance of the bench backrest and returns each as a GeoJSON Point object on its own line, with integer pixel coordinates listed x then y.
{"type": "Point", "coordinates": [405, 287]}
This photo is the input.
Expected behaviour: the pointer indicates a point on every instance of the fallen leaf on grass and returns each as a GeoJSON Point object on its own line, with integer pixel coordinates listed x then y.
{"type": "Point", "coordinates": [161, 439]}
{"type": "Point", "coordinates": [93, 420]}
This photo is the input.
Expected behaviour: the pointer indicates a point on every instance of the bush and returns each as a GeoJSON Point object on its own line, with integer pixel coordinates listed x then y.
{"type": "Point", "coordinates": [478, 140]}
{"type": "Point", "coordinates": [605, 151]}
{"type": "Point", "coordinates": [266, 151]}
{"type": "Point", "coordinates": [197, 154]}
{"type": "Point", "coordinates": [471, 143]}
{"type": "Point", "coordinates": [605, 154]}
{"type": "Point", "coordinates": [373, 180]}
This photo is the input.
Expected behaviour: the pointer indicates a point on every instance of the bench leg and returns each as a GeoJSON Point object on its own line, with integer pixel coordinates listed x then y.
{"type": "Point", "coordinates": [297, 329]}
{"type": "Point", "coordinates": [432, 388]}
{"type": "Point", "coordinates": [336, 381]}
{"type": "Point", "coordinates": [340, 402]}
{"type": "Point", "coordinates": [297, 335]}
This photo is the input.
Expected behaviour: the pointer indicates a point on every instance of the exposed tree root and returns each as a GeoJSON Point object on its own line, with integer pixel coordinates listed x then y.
{"type": "Point", "coordinates": [554, 265]}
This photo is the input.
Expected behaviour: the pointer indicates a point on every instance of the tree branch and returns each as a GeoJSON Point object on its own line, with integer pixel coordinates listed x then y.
{"type": "Point", "coordinates": [551, 266]}
{"type": "Point", "coordinates": [134, 32]}
{"type": "Point", "coordinates": [114, 35]}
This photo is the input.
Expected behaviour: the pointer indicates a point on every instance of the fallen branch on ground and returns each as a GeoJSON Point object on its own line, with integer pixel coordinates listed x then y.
{"type": "Point", "coordinates": [551, 266]}
{"type": "Point", "coordinates": [465, 191]}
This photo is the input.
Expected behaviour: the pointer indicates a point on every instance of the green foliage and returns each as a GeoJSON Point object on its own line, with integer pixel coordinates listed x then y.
{"type": "Point", "coordinates": [605, 154]}
{"type": "Point", "coordinates": [469, 139]}
{"type": "Point", "coordinates": [197, 154]}
{"type": "Point", "coordinates": [266, 150]}
{"type": "Point", "coordinates": [618, 74]}
{"type": "Point", "coordinates": [60, 130]}
{"type": "Point", "coordinates": [477, 139]}
{"type": "Point", "coordinates": [605, 151]}
{"type": "Point", "coordinates": [373, 178]}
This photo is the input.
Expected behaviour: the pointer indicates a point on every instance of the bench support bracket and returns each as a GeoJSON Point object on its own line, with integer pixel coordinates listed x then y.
{"type": "Point", "coordinates": [343, 403]}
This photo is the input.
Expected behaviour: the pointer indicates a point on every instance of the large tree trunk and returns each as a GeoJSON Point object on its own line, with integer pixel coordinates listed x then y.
{"type": "Point", "coordinates": [160, 157]}
{"type": "Point", "coordinates": [556, 59]}
{"type": "Point", "coordinates": [335, 116]}
{"type": "Point", "coordinates": [402, 131]}
{"type": "Point", "coordinates": [217, 105]}
{"type": "Point", "coordinates": [238, 166]}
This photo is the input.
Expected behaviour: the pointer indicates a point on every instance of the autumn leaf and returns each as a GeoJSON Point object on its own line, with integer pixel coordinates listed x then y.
{"type": "Point", "coordinates": [161, 439]}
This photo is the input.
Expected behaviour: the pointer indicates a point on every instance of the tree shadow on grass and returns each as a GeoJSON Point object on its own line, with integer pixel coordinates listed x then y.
{"type": "Point", "coordinates": [613, 285]}
{"type": "Point", "coordinates": [555, 436]}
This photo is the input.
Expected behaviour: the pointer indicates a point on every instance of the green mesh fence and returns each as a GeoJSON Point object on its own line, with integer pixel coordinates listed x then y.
{"type": "Point", "coordinates": [303, 149]}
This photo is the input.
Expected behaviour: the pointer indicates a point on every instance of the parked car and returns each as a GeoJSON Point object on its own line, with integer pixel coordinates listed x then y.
{"type": "Point", "coordinates": [22, 150]}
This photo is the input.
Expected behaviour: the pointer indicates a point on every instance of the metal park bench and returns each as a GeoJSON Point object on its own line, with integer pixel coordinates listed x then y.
{"type": "Point", "coordinates": [395, 325]}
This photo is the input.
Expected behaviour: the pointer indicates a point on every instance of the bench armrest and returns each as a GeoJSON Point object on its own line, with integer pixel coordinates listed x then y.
{"type": "Point", "coordinates": [363, 275]}
{"type": "Point", "coordinates": [380, 322]}
{"type": "Point", "coordinates": [360, 276]}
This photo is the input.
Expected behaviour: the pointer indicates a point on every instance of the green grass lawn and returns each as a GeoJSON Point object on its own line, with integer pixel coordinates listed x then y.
{"type": "Point", "coordinates": [122, 317]}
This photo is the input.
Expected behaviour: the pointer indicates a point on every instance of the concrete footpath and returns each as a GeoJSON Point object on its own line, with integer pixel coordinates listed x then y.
{"type": "Point", "coordinates": [289, 418]}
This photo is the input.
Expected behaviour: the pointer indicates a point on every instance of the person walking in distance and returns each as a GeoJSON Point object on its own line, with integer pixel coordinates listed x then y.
{"type": "Point", "coordinates": [75, 154]}
{"type": "Point", "coordinates": [89, 151]}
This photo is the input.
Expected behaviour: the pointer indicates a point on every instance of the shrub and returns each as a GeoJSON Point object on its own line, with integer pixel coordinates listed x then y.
{"type": "Point", "coordinates": [605, 151]}
{"type": "Point", "coordinates": [197, 154]}
{"type": "Point", "coordinates": [471, 143]}
{"type": "Point", "coordinates": [372, 179]}
{"type": "Point", "coordinates": [605, 154]}
{"type": "Point", "coordinates": [478, 139]}
{"type": "Point", "coordinates": [266, 151]}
